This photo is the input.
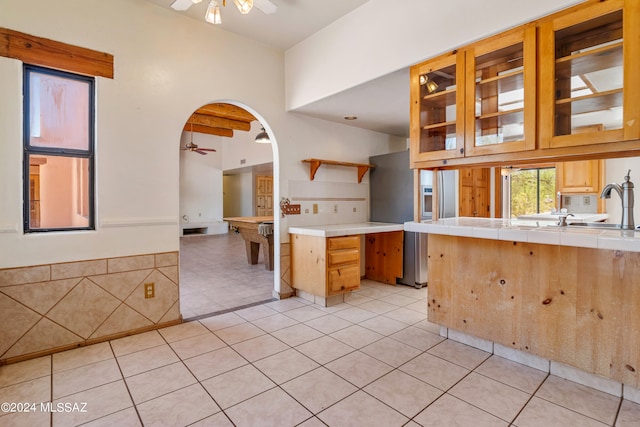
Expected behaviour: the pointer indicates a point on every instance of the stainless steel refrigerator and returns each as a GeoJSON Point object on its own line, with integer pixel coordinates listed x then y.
{"type": "Point", "coordinates": [392, 200]}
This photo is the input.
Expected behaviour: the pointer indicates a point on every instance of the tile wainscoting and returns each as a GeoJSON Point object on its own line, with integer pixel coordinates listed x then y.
{"type": "Point", "coordinates": [285, 273]}
{"type": "Point", "coordinates": [49, 308]}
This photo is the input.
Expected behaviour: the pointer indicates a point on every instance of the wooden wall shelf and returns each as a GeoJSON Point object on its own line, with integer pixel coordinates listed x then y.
{"type": "Point", "coordinates": [314, 164]}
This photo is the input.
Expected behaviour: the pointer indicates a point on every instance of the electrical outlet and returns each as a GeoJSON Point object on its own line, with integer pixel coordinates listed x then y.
{"type": "Point", "coordinates": [315, 208]}
{"type": "Point", "coordinates": [586, 200]}
{"type": "Point", "coordinates": [306, 211]}
{"type": "Point", "coordinates": [149, 290]}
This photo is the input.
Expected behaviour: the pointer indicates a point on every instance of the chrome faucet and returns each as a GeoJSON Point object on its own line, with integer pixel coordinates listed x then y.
{"type": "Point", "coordinates": [625, 191]}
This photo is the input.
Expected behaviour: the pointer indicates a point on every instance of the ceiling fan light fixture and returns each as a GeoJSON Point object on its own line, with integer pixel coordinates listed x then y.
{"type": "Point", "coordinates": [213, 13]}
{"type": "Point", "coordinates": [244, 6]}
{"type": "Point", "coordinates": [262, 137]}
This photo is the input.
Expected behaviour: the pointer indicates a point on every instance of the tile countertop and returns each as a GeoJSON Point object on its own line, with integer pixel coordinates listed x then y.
{"type": "Point", "coordinates": [346, 229]}
{"type": "Point", "coordinates": [543, 232]}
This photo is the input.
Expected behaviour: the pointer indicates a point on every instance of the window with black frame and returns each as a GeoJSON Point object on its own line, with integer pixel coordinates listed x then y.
{"type": "Point", "coordinates": [58, 150]}
{"type": "Point", "coordinates": [532, 191]}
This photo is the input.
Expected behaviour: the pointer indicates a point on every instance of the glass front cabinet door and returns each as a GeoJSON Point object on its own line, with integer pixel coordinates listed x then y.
{"type": "Point", "coordinates": [589, 68]}
{"type": "Point", "coordinates": [437, 108]}
{"type": "Point", "coordinates": [501, 93]}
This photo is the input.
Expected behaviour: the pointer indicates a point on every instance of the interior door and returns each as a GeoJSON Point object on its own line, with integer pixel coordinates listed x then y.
{"type": "Point", "coordinates": [474, 192]}
{"type": "Point", "coordinates": [264, 196]}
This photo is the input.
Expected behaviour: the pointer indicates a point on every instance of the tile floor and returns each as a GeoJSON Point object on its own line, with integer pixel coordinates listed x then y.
{"type": "Point", "coordinates": [374, 361]}
{"type": "Point", "coordinates": [215, 275]}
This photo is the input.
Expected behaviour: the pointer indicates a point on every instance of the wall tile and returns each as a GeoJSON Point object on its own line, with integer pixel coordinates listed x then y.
{"type": "Point", "coordinates": [43, 336]}
{"type": "Point", "coordinates": [78, 269]}
{"type": "Point", "coordinates": [16, 321]}
{"type": "Point", "coordinates": [166, 294]}
{"type": "Point", "coordinates": [130, 263]}
{"type": "Point", "coordinates": [84, 300]}
{"type": "Point", "coordinates": [84, 308]}
{"type": "Point", "coordinates": [121, 284]}
{"type": "Point", "coordinates": [172, 314]}
{"type": "Point", "coordinates": [166, 259]}
{"type": "Point", "coordinates": [19, 276]}
{"type": "Point", "coordinates": [124, 318]}
{"type": "Point", "coordinates": [171, 272]}
{"type": "Point", "coordinates": [41, 296]}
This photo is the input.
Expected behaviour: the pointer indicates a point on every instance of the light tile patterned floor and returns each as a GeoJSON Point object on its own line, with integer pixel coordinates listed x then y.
{"type": "Point", "coordinates": [288, 363]}
{"type": "Point", "coordinates": [215, 275]}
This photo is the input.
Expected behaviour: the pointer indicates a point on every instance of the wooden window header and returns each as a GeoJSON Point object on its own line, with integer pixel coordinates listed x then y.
{"type": "Point", "coordinates": [49, 53]}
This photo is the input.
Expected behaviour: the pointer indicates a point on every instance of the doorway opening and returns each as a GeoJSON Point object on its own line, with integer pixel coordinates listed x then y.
{"type": "Point", "coordinates": [223, 174]}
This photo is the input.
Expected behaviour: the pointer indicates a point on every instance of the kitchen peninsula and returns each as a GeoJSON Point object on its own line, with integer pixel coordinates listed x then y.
{"type": "Point", "coordinates": [568, 294]}
{"type": "Point", "coordinates": [325, 259]}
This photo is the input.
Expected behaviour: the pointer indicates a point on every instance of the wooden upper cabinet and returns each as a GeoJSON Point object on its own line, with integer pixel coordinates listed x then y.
{"type": "Point", "coordinates": [437, 108]}
{"type": "Point", "coordinates": [480, 100]}
{"type": "Point", "coordinates": [500, 111]}
{"type": "Point", "coordinates": [589, 61]}
{"type": "Point", "coordinates": [581, 176]}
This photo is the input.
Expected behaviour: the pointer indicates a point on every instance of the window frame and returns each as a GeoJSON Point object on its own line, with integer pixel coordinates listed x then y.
{"type": "Point", "coordinates": [537, 169]}
{"type": "Point", "coordinates": [29, 150]}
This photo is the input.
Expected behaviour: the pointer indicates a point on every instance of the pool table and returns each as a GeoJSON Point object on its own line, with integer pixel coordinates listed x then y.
{"type": "Point", "coordinates": [255, 230]}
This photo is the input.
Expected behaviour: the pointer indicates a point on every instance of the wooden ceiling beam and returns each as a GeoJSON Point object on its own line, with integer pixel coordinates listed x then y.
{"type": "Point", "coordinates": [227, 111]}
{"type": "Point", "coordinates": [218, 122]}
{"type": "Point", "coordinates": [209, 130]}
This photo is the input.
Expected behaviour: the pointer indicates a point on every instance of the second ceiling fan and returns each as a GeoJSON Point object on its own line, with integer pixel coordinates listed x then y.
{"type": "Point", "coordinates": [194, 147]}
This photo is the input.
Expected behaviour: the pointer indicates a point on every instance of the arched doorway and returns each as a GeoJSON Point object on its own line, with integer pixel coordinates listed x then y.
{"type": "Point", "coordinates": [220, 166]}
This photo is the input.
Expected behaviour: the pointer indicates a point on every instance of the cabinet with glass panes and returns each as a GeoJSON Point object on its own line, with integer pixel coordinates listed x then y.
{"type": "Point", "coordinates": [589, 63]}
{"type": "Point", "coordinates": [501, 93]}
{"type": "Point", "coordinates": [437, 108]}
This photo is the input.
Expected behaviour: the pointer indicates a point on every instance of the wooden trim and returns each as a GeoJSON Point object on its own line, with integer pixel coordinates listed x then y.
{"type": "Point", "coordinates": [497, 192]}
{"type": "Point", "coordinates": [609, 150]}
{"type": "Point", "coordinates": [631, 55]}
{"type": "Point", "coordinates": [85, 343]}
{"type": "Point", "coordinates": [49, 53]}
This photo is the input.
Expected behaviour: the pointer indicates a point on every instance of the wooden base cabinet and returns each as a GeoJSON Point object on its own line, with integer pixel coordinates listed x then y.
{"type": "Point", "coordinates": [329, 266]}
{"type": "Point", "coordinates": [325, 266]}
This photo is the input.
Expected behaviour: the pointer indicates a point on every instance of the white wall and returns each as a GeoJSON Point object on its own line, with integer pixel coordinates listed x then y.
{"type": "Point", "coordinates": [241, 150]}
{"type": "Point", "coordinates": [238, 195]}
{"type": "Point", "coordinates": [166, 66]}
{"type": "Point", "coordinates": [615, 170]}
{"type": "Point", "coordinates": [201, 180]}
{"type": "Point", "coordinates": [381, 37]}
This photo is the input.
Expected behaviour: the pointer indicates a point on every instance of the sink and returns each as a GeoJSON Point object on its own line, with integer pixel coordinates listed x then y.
{"type": "Point", "coordinates": [603, 225]}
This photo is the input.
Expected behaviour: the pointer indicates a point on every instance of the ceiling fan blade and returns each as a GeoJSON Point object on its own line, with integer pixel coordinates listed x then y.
{"type": "Point", "coordinates": [199, 151]}
{"type": "Point", "coordinates": [207, 149]}
{"type": "Point", "coordinates": [182, 4]}
{"type": "Point", "coordinates": [265, 6]}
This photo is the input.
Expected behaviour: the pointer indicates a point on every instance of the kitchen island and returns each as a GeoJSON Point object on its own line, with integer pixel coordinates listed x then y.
{"type": "Point", "coordinates": [325, 259]}
{"type": "Point", "coordinates": [567, 294]}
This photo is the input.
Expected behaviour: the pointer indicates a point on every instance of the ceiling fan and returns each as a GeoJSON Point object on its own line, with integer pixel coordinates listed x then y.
{"type": "Point", "coordinates": [194, 147]}
{"type": "Point", "coordinates": [212, 14]}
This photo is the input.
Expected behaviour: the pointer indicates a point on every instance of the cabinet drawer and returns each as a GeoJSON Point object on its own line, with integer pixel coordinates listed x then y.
{"type": "Point", "coordinates": [343, 278]}
{"type": "Point", "coordinates": [346, 242]}
{"type": "Point", "coordinates": [343, 257]}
